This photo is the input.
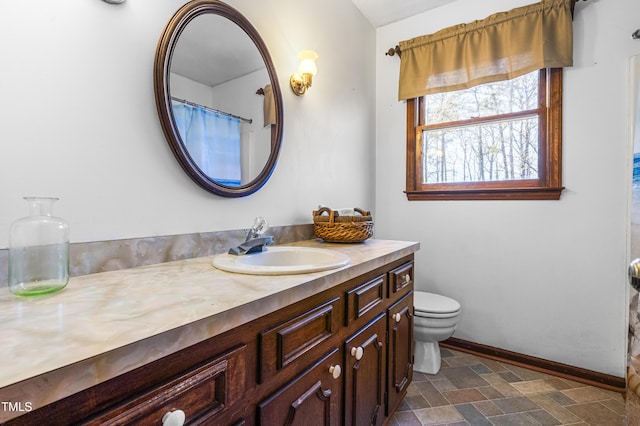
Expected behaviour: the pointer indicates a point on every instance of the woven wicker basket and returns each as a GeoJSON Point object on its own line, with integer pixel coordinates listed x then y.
{"type": "Point", "coordinates": [333, 228]}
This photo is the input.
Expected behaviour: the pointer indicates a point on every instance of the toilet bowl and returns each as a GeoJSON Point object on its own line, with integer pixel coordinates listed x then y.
{"type": "Point", "coordinates": [434, 320]}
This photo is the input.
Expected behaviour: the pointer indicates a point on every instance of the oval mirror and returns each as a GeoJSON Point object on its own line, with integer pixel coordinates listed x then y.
{"type": "Point", "coordinates": [218, 98]}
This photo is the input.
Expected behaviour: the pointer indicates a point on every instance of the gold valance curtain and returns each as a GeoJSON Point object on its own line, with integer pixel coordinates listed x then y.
{"type": "Point", "coordinates": [502, 46]}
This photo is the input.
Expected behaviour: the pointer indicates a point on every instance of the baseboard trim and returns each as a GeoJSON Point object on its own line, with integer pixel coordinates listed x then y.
{"type": "Point", "coordinates": [581, 375]}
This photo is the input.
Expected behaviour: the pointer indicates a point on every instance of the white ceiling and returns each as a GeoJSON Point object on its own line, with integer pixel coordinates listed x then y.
{"type": "Point", "coordinates": [212, 50]}
{"type": "Point", "coordinates": [382, 12]}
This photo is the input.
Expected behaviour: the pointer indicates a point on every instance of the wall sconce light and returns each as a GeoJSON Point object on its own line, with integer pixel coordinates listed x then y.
{"type": "Point", "coordinates": [114, 1]}
{"type": "Point", "coordinates": [302, 80]}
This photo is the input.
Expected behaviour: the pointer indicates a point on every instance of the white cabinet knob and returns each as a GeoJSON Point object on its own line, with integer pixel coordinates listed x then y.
{"type": "Point", "coordinates": [173, 418]}
{"type": "Point", "coordinates": [335, 371]}
{"type": "Point", "coordinates": [407, 278]}
{"type": "Point", "coordinates": [357, 352]}
{"type": "Point", "coordinates": [397, 317]}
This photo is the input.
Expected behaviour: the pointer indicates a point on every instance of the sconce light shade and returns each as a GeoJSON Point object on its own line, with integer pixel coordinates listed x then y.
{"type": "Point", "coordinates": [308, 62]}
{"type": "Point", "coordinates": [303, 79]}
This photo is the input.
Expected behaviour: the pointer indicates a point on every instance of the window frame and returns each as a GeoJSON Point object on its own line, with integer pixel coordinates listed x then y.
{"type": "Point", "coordinates": [548, 186]}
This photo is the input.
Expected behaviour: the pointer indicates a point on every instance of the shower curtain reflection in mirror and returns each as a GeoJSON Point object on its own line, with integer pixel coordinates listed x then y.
{"type": "Point", "coordinates": [212, 140]}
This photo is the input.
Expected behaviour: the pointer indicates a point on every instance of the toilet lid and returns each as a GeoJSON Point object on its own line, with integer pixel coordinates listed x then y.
{"type": "Point", "coordinates": [434, 303]}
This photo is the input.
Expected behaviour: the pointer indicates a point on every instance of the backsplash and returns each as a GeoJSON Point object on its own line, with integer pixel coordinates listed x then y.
{"type": "Point", "coordinates": [102, 256]}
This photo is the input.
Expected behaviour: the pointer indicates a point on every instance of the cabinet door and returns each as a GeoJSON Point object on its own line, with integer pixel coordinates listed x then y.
{"type": "Point", "coordinates": [314, 397]}
{"type": "Point", "coordinates": [400, 317]}
{"type": "Point", "coordinates": [365, 368]}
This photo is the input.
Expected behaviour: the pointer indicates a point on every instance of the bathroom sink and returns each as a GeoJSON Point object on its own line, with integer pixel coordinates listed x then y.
{"type": "Point", "coordinates": [281, 260]}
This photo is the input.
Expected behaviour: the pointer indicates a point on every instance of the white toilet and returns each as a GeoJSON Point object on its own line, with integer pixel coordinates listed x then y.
{"type": "Point", "coordinates": [435, 319]}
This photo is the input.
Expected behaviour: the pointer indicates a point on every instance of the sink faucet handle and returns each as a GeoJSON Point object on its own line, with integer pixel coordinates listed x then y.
{"type": "Point", "coordinates": [259, 227]}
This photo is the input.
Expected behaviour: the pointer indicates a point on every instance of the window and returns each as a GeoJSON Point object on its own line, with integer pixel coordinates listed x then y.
{"type": "Point", "coordinates": [494, 141]}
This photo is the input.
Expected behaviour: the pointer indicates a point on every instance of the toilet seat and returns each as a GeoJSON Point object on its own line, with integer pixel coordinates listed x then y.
{"type": "Point", "coordinates": [433, 305]}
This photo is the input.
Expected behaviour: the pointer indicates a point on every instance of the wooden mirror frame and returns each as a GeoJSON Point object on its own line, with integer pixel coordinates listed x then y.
{"type": "Point", "coordinates": [161, 82]}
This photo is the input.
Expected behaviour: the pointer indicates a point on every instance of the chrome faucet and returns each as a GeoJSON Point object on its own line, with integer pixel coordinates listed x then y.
{"type": "Point", "coordinates": [254, 242]}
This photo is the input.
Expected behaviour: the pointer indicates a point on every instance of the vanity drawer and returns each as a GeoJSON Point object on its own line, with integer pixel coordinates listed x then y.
{"type": "Point", "coordinates": [203, 394]}
{"type": "Point", "coordinates": [364, 297]}
{"type": "Point", "coordinates": [297, 338]}
{"type": "Point", "coordinates": [400, 280]}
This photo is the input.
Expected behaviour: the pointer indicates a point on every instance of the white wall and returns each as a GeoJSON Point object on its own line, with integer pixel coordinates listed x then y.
{"type": "Point", "coordinates": [544, 278]}
{"type": "Point", "coordinates": [78, 118]}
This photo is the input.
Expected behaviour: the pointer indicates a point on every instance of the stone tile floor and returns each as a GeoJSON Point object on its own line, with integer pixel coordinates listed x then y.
{"type": "Point", "coordinates": [470, 390]}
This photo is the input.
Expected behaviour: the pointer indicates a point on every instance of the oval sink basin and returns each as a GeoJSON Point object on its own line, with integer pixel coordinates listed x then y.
{"type": "Point", "coordinates": [282, 261]}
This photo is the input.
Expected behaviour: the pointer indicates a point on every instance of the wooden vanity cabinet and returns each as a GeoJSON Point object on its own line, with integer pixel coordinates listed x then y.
{"type": "Point", "coordinates": [340, 357]}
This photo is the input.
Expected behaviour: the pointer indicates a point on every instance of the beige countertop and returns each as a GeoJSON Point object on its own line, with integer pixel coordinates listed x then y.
{"type": "Point", "coordinates": [105, 324]}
